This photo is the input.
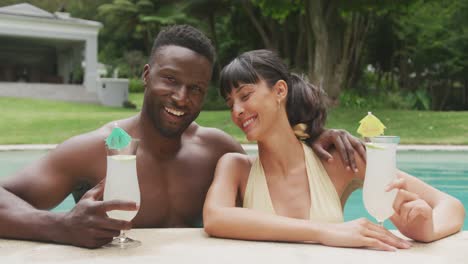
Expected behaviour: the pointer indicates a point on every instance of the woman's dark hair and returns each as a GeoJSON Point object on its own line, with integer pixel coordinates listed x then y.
{"type": "Point", "coordinates": [305, 103]}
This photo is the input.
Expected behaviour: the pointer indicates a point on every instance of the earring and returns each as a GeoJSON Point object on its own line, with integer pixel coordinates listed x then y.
{"type": "Point", "coordinates": [279, 103]}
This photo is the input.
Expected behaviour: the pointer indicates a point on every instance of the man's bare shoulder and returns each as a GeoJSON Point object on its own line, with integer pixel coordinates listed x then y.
{"type": "Point", "coordinates": [84, 153]}
{"type": "Point", "coordinates": [96, 138]}
{"type": "Point", "coordinates": [87, 141]}
{"type": "Point", "coordinates": [79, 150]}
{"type": "Point", "coordinates": [214, 138]}
{"type": "Point", "coordinates": [77, 160]}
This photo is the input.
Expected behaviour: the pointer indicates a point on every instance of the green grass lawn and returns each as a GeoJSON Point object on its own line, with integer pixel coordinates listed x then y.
{"type": "Point", "coordinates": [27, 121]}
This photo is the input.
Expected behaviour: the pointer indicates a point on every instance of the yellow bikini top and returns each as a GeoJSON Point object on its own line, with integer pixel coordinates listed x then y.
{"type": "Point", "coordinates": [325, 202]}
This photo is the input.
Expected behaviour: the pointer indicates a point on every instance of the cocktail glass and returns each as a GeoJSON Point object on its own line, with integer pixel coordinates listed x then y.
{"type": "Point", "coordinates": [380, 171]}
{"type": "Point", "coordinates": [122, 184]}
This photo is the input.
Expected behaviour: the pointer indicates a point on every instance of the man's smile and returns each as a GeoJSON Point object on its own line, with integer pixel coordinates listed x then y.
{"type": "Point", "coordinates": [173, 111]}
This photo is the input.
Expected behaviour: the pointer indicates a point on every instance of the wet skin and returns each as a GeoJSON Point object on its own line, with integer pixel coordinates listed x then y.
{"type": "Point", "coordinates": [175, 164]}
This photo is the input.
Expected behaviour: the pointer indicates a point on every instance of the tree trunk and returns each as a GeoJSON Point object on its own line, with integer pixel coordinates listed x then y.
{"type": "Point", "coordinates": [286, 41]}
{"type": "Point", "coordinates": [433, 93]}
{"type": "Point", "coordinates": [310, 47]}
{"type": "Point", "coordinates": [359, 27]}
{"type": "Point", "coordinates": [214, 36]}
{"type": "Point", "coordinates": [320, 13]}
{"type": "Point", "coordinates": [338, 45]}
{"type": "Point", "coordinates": [263, 34]}
{"type": "Point", "coordinates": [465, 94]}
{"type": "Point", "coordinates": [445, 90]}
{"type": "Point", "coordinates": [301, 51]}
{"type": "Point", "coordinates": [275, 36]}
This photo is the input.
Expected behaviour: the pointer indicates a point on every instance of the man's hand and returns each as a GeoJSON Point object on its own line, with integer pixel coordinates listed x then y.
{"type": "Point", "coordinates": [346, 145]}
{"type": "Point", "coordinates": [87, 224]}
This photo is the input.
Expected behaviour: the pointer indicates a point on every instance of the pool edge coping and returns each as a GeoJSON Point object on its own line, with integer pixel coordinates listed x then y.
{"type": "Point", "coordinates": [253, 147]}
{"type": "Point", "coordinates": [247, 147]}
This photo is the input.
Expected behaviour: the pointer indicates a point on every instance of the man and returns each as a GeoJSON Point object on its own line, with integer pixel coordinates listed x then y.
{"type": "Point", "coordinates": [176, 157]}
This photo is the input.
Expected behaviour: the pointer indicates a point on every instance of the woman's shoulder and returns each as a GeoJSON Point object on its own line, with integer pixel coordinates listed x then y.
{"type": "Point", "coordinates": [236, 166]}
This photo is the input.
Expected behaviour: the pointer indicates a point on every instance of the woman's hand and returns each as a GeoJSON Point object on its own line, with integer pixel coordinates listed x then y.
{"type": "Point", "coordinates": [362, 233]}
{"type": "Point", "coordinates": [408, 206]}
{"type": "Point", "coordinates": [346, 145]}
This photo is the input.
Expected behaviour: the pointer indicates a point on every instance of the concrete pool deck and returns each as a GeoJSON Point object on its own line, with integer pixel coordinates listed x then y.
{"type": "Point", "coordinates": [192, 245]}
{"type": "Point", "coordinates": [247, 147]}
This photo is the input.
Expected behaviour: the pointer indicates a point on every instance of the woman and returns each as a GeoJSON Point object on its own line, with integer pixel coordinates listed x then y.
{"type": "Point", "coordinates": [287, 193]}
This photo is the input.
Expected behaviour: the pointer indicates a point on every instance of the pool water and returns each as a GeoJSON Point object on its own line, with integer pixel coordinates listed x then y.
{"type": "Point", "coordinates": [445, 170]}
{"type": "Point", "coordinates": [12, 161]}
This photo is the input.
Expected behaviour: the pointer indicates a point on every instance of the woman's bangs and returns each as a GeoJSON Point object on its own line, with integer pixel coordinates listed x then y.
{"type": "Point", "coordinates": [234, 74]}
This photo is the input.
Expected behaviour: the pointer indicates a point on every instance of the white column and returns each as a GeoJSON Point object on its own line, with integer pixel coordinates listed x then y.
{"type": "Point", "coordinates": [78, 57]}
{"type": "Point", "coordinates": [90, 71]}
{"type": "Point", "coordinates": [64, 64]}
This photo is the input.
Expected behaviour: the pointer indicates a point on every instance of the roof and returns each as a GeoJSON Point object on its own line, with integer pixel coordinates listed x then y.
{"type": "Point", "coordinates": [28, 10]}
{"type": "Point", "coordinates": [25, 10]}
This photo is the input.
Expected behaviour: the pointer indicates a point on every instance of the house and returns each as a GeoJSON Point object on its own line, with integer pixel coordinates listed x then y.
{"type": "Point", "coordinates": [52, 56]}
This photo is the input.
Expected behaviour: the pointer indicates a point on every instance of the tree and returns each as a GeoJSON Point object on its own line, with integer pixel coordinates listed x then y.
{"type": "Point", "coordinates": [329, 34]}
{"type": "Point", "coordinates": [133, 24]}
{"type": "Point", "coordinates": [433, 56]}
{"type": "Point", "coordinates": [339, 37]}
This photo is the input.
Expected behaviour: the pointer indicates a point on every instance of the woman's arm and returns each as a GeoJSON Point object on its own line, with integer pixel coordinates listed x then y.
{"type": "Point", "coordinates": [223, 219]}
{"type": "Point", "coordinates": [424, 213]}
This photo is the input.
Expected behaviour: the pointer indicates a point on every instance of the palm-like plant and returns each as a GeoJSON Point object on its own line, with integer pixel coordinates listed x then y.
{"type": "Point", "coordinates": [141, 19]}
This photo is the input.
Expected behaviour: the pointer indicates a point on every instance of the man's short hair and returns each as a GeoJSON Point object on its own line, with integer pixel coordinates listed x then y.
{"type": "Point", "coordinates": [184, 36]}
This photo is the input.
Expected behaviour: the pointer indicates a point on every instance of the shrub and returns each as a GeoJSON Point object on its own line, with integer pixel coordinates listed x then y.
{"type": "Point", "coordinates": [213, 100]}
{"type": "Point", "coordinates": [385, 99]}
{"type": "Point", "coordinates": [136, 86]}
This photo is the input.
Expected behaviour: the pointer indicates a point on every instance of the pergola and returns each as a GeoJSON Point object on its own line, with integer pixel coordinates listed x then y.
{"type": "Point", "coordinates": [40, 47]}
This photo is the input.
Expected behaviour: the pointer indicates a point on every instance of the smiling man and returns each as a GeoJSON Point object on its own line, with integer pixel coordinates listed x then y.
{"type": "Point", "coordinates": [175, 161]}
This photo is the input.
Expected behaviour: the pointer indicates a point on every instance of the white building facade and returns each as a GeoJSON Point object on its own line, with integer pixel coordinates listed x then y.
{"type": "Point", "coordinates": [41, 47]}
{"type": "Point", "coordinates": [53, 56]}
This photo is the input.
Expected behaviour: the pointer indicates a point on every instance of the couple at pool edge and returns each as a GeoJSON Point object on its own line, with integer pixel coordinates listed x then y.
{"type": "Point", "coordinates": [287, 193]}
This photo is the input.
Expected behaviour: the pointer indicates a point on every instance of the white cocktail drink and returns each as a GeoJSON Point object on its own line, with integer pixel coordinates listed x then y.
{"type": "Point", "coordinates": [380, 171]}
{"type": "Point", "coordinates": [122, 184]}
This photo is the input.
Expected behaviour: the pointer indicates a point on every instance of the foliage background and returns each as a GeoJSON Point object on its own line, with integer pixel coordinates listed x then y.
{"type": "Point", "coordinates": [409, 54]}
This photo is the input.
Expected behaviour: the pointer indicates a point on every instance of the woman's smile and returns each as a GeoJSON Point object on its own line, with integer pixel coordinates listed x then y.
{"type": "Point", "coordinates": [248, 123]}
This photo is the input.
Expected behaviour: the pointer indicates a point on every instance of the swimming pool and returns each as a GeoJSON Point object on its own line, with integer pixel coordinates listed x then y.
{"type": "Point", "coordinates": [12, 161]}
{"type": "Point", "coordinates": [445, 170]}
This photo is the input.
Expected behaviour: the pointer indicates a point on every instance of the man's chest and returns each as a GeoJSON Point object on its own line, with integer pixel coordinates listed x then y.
{"type": "Point", "coordinates": [173, 191]}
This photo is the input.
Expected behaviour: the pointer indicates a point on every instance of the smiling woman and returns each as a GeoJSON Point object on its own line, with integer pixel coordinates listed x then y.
{"type": "Point", "coordinates": [286, 192]}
